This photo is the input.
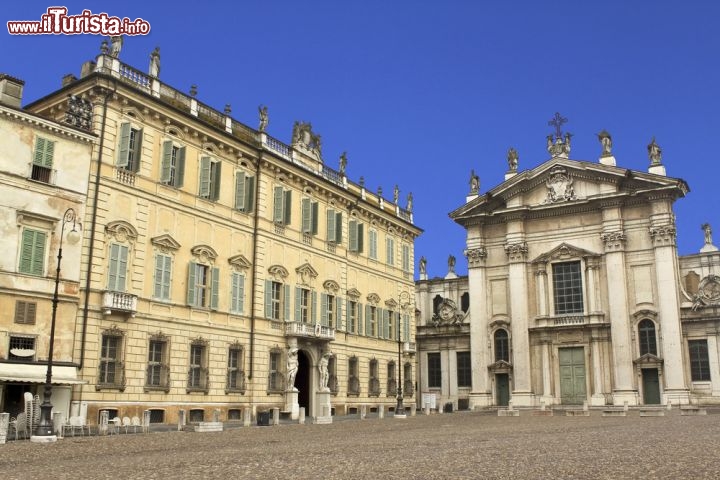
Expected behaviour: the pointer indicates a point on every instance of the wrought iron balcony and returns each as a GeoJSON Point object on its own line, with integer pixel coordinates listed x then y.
{"type": "Point", "coordinates": [119, 302]}
{"type": "Point", "coordinates": [307, 330]}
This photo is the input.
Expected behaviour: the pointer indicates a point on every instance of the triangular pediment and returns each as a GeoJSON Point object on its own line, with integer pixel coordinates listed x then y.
{"type": "Point", "coordinates": [239, 262]}
{"type": "Point", "coordinates": [306, 269]}
{"type": "Point", "coordinates": [561, 182]}
{"type": "Point", "coordinates": [501, 366]}
{"type": "Point", "coordinates": [565, 251]}
{"type": "Point", "coordinates": [165, 242]}
{"type": "Point", "coordinates": [354, 293]}
{"type": "Point", "coordinates": [648, 360]}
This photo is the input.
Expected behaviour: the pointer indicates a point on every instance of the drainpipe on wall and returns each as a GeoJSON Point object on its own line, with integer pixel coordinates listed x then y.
{"type": "Point", "coordinates": [253, 267]}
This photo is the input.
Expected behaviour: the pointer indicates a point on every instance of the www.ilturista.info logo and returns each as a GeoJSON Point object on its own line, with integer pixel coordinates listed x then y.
{"type": "Point", "coordinates": [57, 22]}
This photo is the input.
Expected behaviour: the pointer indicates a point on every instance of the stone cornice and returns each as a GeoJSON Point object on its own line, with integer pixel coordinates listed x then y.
{"type": "Point", "coordinates": [49, 125]}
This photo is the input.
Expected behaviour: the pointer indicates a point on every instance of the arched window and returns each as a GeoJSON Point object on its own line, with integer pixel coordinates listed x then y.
{"type": "Point", "coordinates": [502, 346]}
{"type": "Point", "coordinates": [646, 335]}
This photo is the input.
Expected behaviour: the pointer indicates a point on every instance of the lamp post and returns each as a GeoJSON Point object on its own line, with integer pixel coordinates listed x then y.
{"type": "Point", "coordinates": [399, 407]}
{"type": "Point", "coordinates": [44, 429]}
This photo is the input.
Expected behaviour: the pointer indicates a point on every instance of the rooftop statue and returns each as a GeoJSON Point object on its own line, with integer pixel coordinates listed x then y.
{"type": "Point", "coordinates": [154, 70]}
{"type": "Point", "coordinates": [116, 43]}
{"type": "Point", "coordinates": [606, 142]}
{"type": "Point", "coordinates": [263, 112]}
{"type": "Point", "coordinates": [654, 153]}
{"type": "Point", "coordinates": [512, 159]}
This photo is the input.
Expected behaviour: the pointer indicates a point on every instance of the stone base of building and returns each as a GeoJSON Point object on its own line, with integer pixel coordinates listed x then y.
{"type": "Point", "coordinates": [598, 400]}
{"type": "Point", "coordinates": [523, 399]}
{"type": "Point", "coordinates": [43, 438]}
{"type": "Point", "coordinates": [291, 404]}
{"type": "Point", "coordinates": [677, 397]}
{"type": "Point", "coordinates": [478, 401]}
{"type": "Point", "coordinates": [323, 410]}
{"type": "Point", "coordinates": [622, 396]}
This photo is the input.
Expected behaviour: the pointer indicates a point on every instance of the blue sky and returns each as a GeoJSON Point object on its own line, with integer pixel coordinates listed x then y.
{"type": "Point", "coordinates": [419, 93]}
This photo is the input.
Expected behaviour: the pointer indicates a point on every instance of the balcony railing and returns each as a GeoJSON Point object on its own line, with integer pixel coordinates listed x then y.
{"type": "Point", "coordinates": [41, 174]}
{"type": "Point", "coordinates": [353, 385]}
{"type": "Point", "coordinates": [391, 387]}
{"type": "Point", "coordinates": [119, 302]}
{"type": "Point", "coordinates": [299, 329]}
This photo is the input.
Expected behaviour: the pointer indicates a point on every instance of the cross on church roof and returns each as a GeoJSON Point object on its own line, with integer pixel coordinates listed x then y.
{"type": "Point", "coordinates": [557, 122]}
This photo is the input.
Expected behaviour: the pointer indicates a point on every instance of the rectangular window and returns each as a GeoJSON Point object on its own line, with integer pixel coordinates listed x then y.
{"type": "Point", "coordinates": [275, 378]}
{"type": "Point", "coordinates": [129, 148]}
{"type": "Point", "coordinates": [277, 301]}
{"type": "Point", "coordinates": [305, 301]}
{"type": "Point", "coordinates": [391, 379]}
{"type": "Point", "coordinates": [209, 178]}
{"type": "Point", "coordinates": [371, 320]}
{"type": "Point", "coordinates": [392, 326]}
{"type": "Point", "coordinates": [309, 216]}
{"type": "Point", "coordinates": [21, 347]}
{"type": "Point", "coordinates": [352, 316]}
{"type": "Point", "coordinates": [406, 258]}
{"type": "Point", "coordinates": [237, 292]}
{"type": "Point", "coordinates": [282, 206]}
{"type": "Point", "coordinates": [32, 252]}
{"type": "Point", "coordinates": [464, 371]}
{"type": "Point", "coordinates": [244, 192]}
{"type": "Point", "coordinates": [235, 373]}
{"type": "Point", "coordinates": [567, 288]}
{"type": "Point", "coordinates": [353, 378]}
{"type": "Point", "coordinates": [25, 312]}
{"type": "Point", "coordinates": [699, 360]}
{"type": "Point", "coordinates": [374, 383]}
{"type": "Point", "coordinates": [334, 226]}
{"type": "Point", "coordinates": [43, 160]}
{"type": "Point", "coordinates": [203, 286]}
{"type": "Point", "coordinates": [355, 232]}
{"type": "Point", "coordinates": [434, 370]}
{"type": "Point", "coordinates": [198, 372]}
{"type": "Point", "coordinates": [117, 269]}
{"type": "Point", "coordinates": [406, 328]}
{"type": "Point", "coordinates": [110, 368]}
{"type": "Point", "coordinates": [173, 165]}
{"type": "Point", "coordinates": [157, 369]}
{"type": "Point", "coordinates": [390, 250]}
{"type": "Point", "coordinates": [163, 265]}
{"type": "Point", "coordinates": [330, 311]}
{"type": "Point", "coordinates": [373, 241]}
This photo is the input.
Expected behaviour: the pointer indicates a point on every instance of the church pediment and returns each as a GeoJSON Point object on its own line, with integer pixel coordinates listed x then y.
{"type": "Point", "coordinates": [562, 182]}
{"type": "Point", "coordinates": [501, 366]}
{"type": "Point", "coordinates": [648, 360]}
{"type": "Point", "coordinates": [565, 251]}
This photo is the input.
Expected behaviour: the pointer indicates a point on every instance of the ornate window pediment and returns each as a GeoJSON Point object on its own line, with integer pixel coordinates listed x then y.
{"type": "Point", "coordinates": [307, 273]}
{"type": "Point", "coordinates": [159, 337]}
{"type": "Point", "coordinates": [122, 231]}
{"type": "Point", "coordinates": [354, 293]}
{"type": "Point", "coordinates": [278, 272]}
{"type": "Point", "coordinates": [331, 286]}
{"type": "Point", "coordinates": [199, 341]}
{"type": "Point", "coordinates": [204, 253]}
{"type": "Point", "coordinates": [501, 366]}
{"type": "Point", "coordinates": [165, 243]}
{"type": "Point", "coordinates": [239, 262]}
{"type": "Point", "coordinates": [642, 314]}
{"type": "Point", "coordinates": [648, 360]}
{"type": "Point", "coordinates": [113, 331]}
{"type": "Point", "coordinates": [565, 251]}
{"type": "Point", "coordinates": [391, 304]}
{"type": "Point", "coordinates": [373, 298]}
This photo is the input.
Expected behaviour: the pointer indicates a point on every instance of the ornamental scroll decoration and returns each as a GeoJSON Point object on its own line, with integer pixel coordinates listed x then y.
{"type": "Point", "coordinates": [613, 241]}
{"type": "Point", "coordinates": [664, 235]}
{"type": "Point", "coordinates": [559, 185]}
{"type": "Point", "coordinates": [516, 252]}
{"type": "Point", "coordinates": [476, 256]}
{"type": "Point", "coordinates": [708, 292]}
{"type": "Point", "coordinates": [447, 314]}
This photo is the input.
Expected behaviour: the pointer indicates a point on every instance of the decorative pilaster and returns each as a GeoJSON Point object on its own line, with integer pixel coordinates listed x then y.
{"type": "Point", "coordinates": [516, 252]}
{"type": "Point", "coordinates": [476, 256]}
{"type": "Point", "coordinates": [613, 241]}
{"type": "Point", "coordinates": [592, 265]}
{"type": "Point", "coordinates": [663, 236]}
{"type": "Point", "coordinates": [522, 392]}
{"type": "Point", "coordinates": [541, 286]}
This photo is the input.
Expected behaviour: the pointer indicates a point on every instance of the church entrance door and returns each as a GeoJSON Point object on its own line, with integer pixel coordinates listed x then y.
{"type": "Point", "coordinates": [651, 386]}
{"type": "Point", "coordinates": [502, 389]}
{"type": "Point", "coordinates": [572, 375]}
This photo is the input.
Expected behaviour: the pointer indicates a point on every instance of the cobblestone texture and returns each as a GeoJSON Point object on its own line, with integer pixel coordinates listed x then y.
{"type": "Point", "coordinates": [458, 445]}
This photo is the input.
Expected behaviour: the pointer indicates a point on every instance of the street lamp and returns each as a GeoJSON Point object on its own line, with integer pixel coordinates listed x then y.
{"type": "Point", "coordinates": [399, 407]}
{"type": "Point", "coordinates": [44, 429]}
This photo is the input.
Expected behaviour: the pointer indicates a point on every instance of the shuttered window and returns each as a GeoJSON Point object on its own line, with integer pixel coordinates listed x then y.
{"type": "Point", "coordinates": [32, 252]}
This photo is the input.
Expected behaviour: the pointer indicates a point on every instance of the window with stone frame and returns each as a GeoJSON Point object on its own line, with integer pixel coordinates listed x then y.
{"type": "Point", "coordinates": [502, 345]}
{"type": "Point", "coordinates": [567, 288]}
{"type": "Point", "coordinates": [464, 370]}
{"type": "Point", "coordinates": [647, 338]}
{"type": "Point", "coordinates": [331, 310]}
{"type": "Point", "coordinates": [408, 383]}
{"type": "Point", "coordinates": [353, 309]}
{"type": "Point", "coordinates": [235, 370]}
{"type": "Point", "coordinates": [203, 286]}
{"type": "Point", "coordinates": [353, 388]}
{"type": "Point", "coordinates": [198, 373]}
{"type": "Point", "coordinates": [309, 216]}
{"type": "Point", "coordinates": [237, 292]}
{"type": "Point", "coordinates": [390, 250]}
{"type": "Point", "coordinates": [42, 164]}
{"type": "Point", "coordinates": [391, 379]}
{"type": "Point", "coordinates": [699, 360]}
{"type": "Point", "coordinates": [373, 244]}
{"type": "Point", "coordinates": [434, 370]}
{"type": "Point", "coordinates": [111, 369]}
{"type": "Point", "coordinates": [277, 300]}
{"type": "Point", "coordinates": [276, 378]}
{"type": "Point", "coordinates": [405, 258]}
{"type": "Point", "coordinates": [355, 236]}
{"type": "Point", "coordinates": [33, 249]}
{"type": "Point", "coordinates": [172, 167]}
{"type": "Point", "coordinates": [282, 205]}
{"type": "Point", "coordinates": [129, 148]}
{"type": "Point", "coordinates": [162, 278]}
{"type": "Point", "coordinates": [209, 181]}
{"type": "Point", "coordinates": [374, 379]}
{"type": "Point", "coordinates": [371, 320]}
{"type": "Point", "coordinates": [244, 192]}
{"type": "Point", "coordinates": [305, 305]}
{"type": "Point", "coordinates": [158, 368]}
{"type": "Point", "coordinates": [334, 226]}
{"type": "Point", "coordinates": [21, 348]}
{"type": "Point", "coordinates": [25, 312]}
{"type": "Point", "coordinates": [117, 267]}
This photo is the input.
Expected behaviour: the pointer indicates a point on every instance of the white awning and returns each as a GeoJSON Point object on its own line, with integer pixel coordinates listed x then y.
{"type": "Point", "coordinates": [23, 373]}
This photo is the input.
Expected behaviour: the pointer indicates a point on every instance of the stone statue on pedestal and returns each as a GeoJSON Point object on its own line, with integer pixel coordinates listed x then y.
{"type": "Point", "coordinates": [263, 112]}
{"type": "Point", "coordinates": [324, 374]}
{"type": "Point", "coordinates": [606, 142]}
{"type": "Point", "coordinates": [654, 153]}
{"type": "Point", "coordinates": [116, 43]}
{"type": "Point", "coordinates": [292, 368]}
{"type": "Point", "coordinates": [512, 159]}
{"type": "Point", "coordinates": [154, 70]}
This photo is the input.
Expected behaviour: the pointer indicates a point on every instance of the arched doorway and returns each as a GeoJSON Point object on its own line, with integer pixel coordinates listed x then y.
{"type": "Point", "coordinates": [302, 381]}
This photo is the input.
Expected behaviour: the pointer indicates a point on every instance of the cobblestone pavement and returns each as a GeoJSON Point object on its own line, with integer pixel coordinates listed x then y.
{"type": "Point", "coordinates": [457, 445]}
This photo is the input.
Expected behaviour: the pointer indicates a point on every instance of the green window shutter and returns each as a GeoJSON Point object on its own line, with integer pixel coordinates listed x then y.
{"type": "Point", "coordinates": [240, 303]}
{"type": "Point", "coordinates": [44, 151]}
{"type": "Point", "coordinates": [167, 270]}
{"type": "Point", "coordinates": [353, 236]}
{"type": "Point", "coordinates": [180, 168]}
{"type": "Point", "coordinates": [339, 313]}
{"type": "Point", "coordinates": [347, 313]}
{"type": "Point", "coordinates": [268, 299]}
{"type": "Point", "coordinates": [113, 266]}
{"type": "Point", "coordinates": [406, 328]}
{"type": "Point", "coordinates": [240, 191]}
{"type": "Point", "coordinates": [313, 308]}
{"type": "Point", "coordinates": [388, 251]}
{"type": "Point", "coordinates": [278, 205]}
{"type": "Point", "coordinates": [286, 292]}
{"type": "Point", "coordinates": [360, 318]}
{"type": "Point", "coordinates": [205, 177]}
{"type": "Point", "coordinates": [216, 181]}
{"type": "Point", "coordinates": [249, 193]}
{"type": "Point", "coordinates": [368, 320]}
{"type": "Point", "coordinates": [330, 225]}
{"type": "Point", "coordinates": [49, 154]}
{"type": "Point", "coordinates": [338, 227]}
{"type": "Point", "coordinates": [191, 283]}
{"type": "Point", "coordinates": [158, 280]}
{"type": "Point", "coordinates": [288, 207]}
{"type": "Point", "coordinates": [360, 237]}
{"type": "Point", "coordinates": [324, 308]}
{"type": "Point", "coordinates": [406, 258]}
{"type": "Point", "coordinates": [122, 268]}
{"type": "Point", "coordinates": [124, 146]}
{"type": "Point", "coordinates": [166, 165]}
{"type": "Point", "coordinates": [298, 302]}
{"type": "Point", "coordinates": [315, 215]}
{"type": "Point", "coordinates": [215, 289]}
{"type": "Point", "coordinates": [32, 255]}
{"type": "Point", "coordinates": [386, 323]}
{"type": "Point", "coordinates": [117, 268]}
{"type": "Point", "coordinates": [233, 291]}
{"type": "Point", "coordinates": [305, 214]}
{"type": "Point", "coordinates": [137, 149]}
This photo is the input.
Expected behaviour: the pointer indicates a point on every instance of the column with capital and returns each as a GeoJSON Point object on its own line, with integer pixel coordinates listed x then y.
{"type": "Point", "coordinates": [481, 394]}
